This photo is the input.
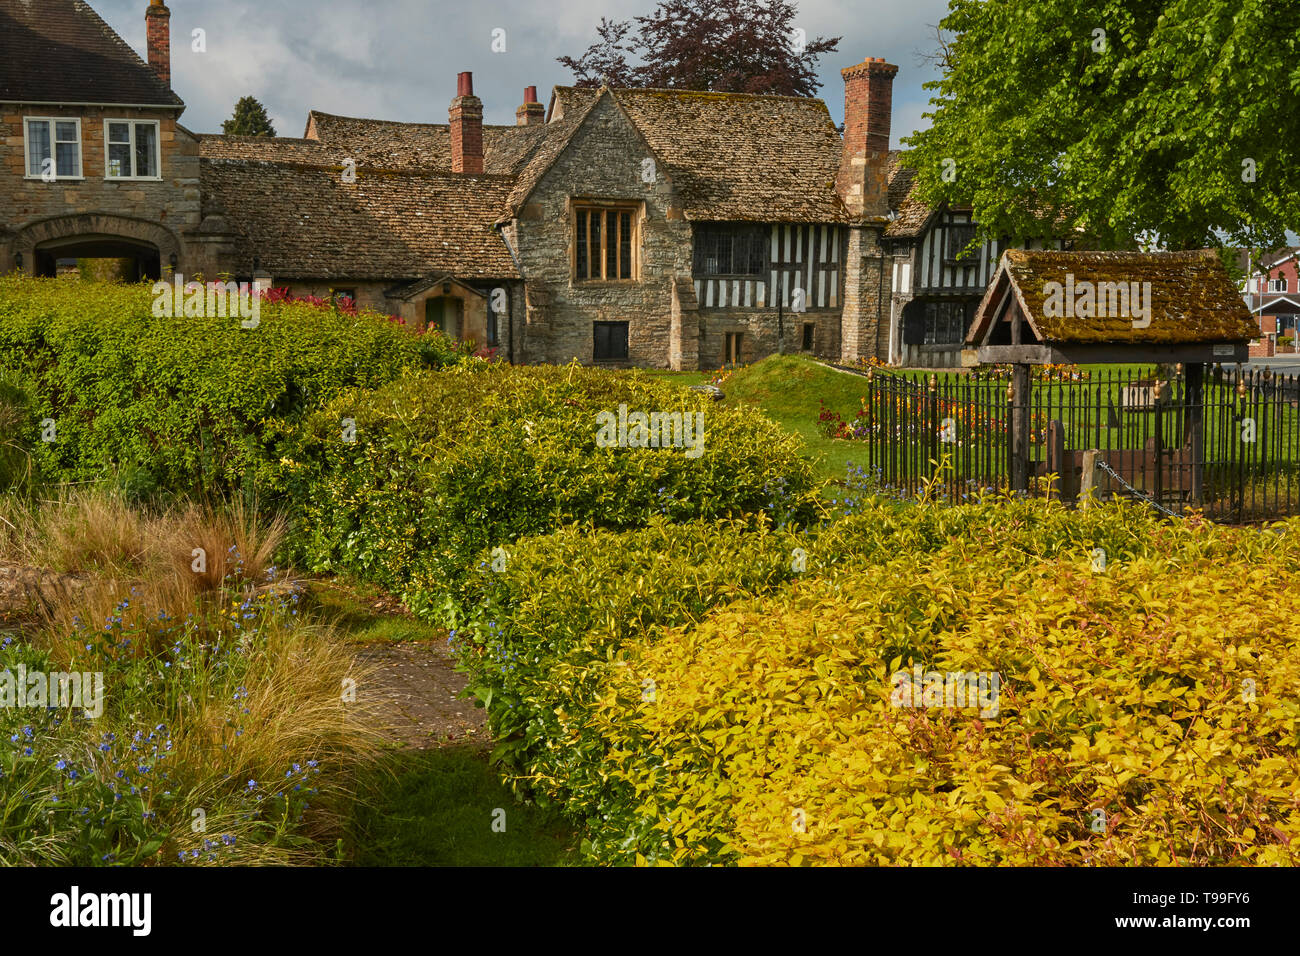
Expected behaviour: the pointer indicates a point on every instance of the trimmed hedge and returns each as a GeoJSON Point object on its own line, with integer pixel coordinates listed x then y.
{"type": "Point", "coordinates": [184, 404]}
{"type": "Point", "coordinates": [678, 727]}
{"type": "Point", "coordinates": [446, 465]}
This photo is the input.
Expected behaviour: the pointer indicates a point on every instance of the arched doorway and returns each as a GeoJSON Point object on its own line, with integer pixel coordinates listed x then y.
{"type": "Point", "coordinates": [135, 261]}
{"type": "Point", "coordinates": [144, 249]}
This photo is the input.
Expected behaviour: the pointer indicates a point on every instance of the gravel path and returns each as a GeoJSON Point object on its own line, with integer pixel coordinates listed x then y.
{"type": "Point", "coordinates": [419, 692]}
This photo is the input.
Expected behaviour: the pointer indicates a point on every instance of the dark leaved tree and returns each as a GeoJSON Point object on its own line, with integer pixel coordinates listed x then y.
{"type": "Point", "coordinates": [727, 46]}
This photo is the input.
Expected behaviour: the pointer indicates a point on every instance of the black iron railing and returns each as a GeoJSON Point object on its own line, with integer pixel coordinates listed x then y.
{"type": "Point", "coordinates": [1222, 440]}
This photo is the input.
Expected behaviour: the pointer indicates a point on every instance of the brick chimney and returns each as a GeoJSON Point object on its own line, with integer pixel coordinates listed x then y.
{"type": "Point", "coordinates": [864, 165]}
{"type": "Point", "coordinates": [532, 113]}
{"type": "Point", "coordinates": [158, 28]}
{"type": "Point", "coordinates": [466, 127]}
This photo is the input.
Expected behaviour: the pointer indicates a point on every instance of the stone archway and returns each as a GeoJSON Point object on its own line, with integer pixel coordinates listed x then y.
{"type": "Point", "coordinates": [97, 235]}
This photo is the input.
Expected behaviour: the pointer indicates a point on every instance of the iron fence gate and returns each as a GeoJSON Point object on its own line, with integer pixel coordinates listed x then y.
{"type": "Point", "coordinates": [1225, 441]}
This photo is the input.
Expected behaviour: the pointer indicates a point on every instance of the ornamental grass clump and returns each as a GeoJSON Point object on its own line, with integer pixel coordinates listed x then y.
{"type": "Point", "coordinates": [214, 724]}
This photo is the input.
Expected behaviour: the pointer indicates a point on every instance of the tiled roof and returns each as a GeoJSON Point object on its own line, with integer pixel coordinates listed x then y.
{"type": "Point", "coordinates": [304, 222]}
{"type": "Point", "coordinates": [60, 51]}
{"type": "Point", "coordinates": [912, 213]}
{"type": "Point", "coordinates": [389, 145]}
{"type": "Point", "coordinates": [270, 149]}
{"type": "Point", "coordinates": [1193, 301]}
{"type": "Point", "coordinates": [731, 156]}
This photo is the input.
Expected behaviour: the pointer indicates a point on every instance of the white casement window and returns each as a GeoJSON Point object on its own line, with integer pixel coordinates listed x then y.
{"type": "Point", "coordinates": [1277, 285]}
{"type": "Point", "coordinates": [131, 149]}
{"type": "Point", "coordinates": [53, 147]}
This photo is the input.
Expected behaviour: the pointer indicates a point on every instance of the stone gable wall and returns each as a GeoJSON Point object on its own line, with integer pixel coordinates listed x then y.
{"type": "Point", "coordinates": [602, 161]}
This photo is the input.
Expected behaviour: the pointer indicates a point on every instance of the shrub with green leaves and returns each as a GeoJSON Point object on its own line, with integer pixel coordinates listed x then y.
{"type": "Point", "coordinates": [1145, 715]}
{"type": "Point", "coordinates": [182, 403]}
{"type": "Point", "coordinates": [445, 465]}
{"type": "Point", "coordinates": [681, 690]}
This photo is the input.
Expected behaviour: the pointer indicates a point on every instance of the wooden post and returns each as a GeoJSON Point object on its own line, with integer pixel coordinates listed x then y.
{"type": "Point", "coordinates": [1056, 457]}
{"type": "Point", "coordinates": [1089, 484]}
{"type": "Point", "coordinates": [1195, 429]}
{"type": "Point", "coordinates": [1020, 428]}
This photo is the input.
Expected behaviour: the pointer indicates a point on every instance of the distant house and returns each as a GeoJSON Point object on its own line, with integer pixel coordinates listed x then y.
{"type": "Point", "coordinates": [660, 228]}
{"type": "Point", "coordinates": [1272, 291]}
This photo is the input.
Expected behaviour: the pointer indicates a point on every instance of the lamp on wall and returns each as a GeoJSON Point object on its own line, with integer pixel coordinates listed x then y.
{"type": "Point", "coordinates": [174, 261]}
{"type": "Point", "coordinates": [18, 259]}
{"type": "Point", "coordinates": [446, 288]}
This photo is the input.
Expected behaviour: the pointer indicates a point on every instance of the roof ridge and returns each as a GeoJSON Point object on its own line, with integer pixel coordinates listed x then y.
{"type": "Point", "coordinates": [421, 172]}
{"type": "Point", "coordinates": [685, 92]}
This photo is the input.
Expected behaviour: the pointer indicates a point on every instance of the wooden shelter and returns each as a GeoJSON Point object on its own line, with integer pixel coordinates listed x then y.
{"type": "Point", "coordinates": [1082, 308]}
{"type": "Point", "coordinates": [1085, 308]}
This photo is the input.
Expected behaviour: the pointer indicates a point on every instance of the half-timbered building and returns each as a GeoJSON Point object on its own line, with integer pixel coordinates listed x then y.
{"type": "Point", "coordinates": [660, 228]}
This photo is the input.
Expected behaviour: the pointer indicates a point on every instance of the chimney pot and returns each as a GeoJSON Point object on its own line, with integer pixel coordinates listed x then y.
{"type": "Point", "coordinates": [466, 127]}
{"type": "Point", "coordinates": [532, 113]}
{"type": "Point", "coordinates": [864, 163]}
{"type": "Point", "coordinates": [158, 37]}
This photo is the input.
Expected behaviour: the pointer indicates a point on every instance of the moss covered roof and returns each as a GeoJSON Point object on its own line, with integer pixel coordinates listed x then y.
{"type": "Point", "coordinates": [1192, 300]}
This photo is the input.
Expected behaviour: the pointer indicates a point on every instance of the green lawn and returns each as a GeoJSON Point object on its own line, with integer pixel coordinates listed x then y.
{"type": "Point", "coordinates": [787, 389]}
{"type": "Point", "coordinates": [447, 807]}
{"type": "Point", "coordinates": [434, 807]}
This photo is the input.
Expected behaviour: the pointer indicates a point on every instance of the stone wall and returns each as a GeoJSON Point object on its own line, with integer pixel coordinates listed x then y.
{"type": "Point", "coordinates": [604, 161]}
{"type": "Point", "coordinates": [159, 212]}
{"type": "Point", "coordinates": [760, 334]}
{"type": "Point", "coordinates": [867, 294]}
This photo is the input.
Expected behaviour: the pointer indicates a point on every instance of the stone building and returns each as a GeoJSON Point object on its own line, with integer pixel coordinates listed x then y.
{"type": "Point", "coordinates": [660, 228]}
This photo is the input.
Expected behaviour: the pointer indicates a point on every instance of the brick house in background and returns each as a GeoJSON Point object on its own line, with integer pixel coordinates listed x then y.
{"type": "Point", "coordinates": [95, 162]}
{"type": "Point", "coordinates": [661, 228]}
{"type": "Point", "coordinates": [1272, 291]}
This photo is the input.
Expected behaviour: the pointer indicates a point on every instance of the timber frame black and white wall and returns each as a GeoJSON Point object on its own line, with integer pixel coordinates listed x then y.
{"type": "Point", "coordinates": [946, 280]}
{"type": "Point", "coordinates": [755, 266]}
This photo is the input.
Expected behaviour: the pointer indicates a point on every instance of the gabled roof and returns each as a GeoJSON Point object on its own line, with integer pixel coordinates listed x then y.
{"type": "Point", "coordinates": [1278, 304]}
{"type": "Point", "coordinates": [303, 221]}
{"type": "Point", "coordinates": [912, 214]}
{"type": "Point", "coordinates": [731, 156]}
{"type": "Point", "coordinates": [60, 51]}
{"type": "Point", "coordinates": [1193, 300]}
{"type": "Point", "coordinates": [1267, 261]}
{"type": "Point", "coordinates": [389, 145]}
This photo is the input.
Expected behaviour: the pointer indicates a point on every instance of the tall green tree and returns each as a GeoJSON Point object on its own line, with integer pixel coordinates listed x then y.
{"type": "Point", "coordinates": [250, 119]}
{"type": "Point", "coordinates": [727, 46]}
{"type": "Point", "coordinates": [1119, 118]}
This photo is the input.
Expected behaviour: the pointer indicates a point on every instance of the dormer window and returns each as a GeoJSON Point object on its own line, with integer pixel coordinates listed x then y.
{"type": "Point", "coordinates": [53, 148]}
{"type": "Point", "coordinates": [131, 149]}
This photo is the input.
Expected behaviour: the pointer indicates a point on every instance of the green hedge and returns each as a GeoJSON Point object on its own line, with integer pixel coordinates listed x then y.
{"type": "Point", "coordinates": [184, 404]}
{"type": "Point", "coordinates": [446, 465]}
{"type": "Point", "coordinates": [555, 643]}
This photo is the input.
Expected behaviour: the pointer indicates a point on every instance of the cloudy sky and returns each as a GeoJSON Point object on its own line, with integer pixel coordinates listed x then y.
{"type": "Point", "coordinates": [398, 59]}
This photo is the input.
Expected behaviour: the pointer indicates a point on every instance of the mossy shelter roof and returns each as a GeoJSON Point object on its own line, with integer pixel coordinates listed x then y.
{"type": "Point", "coordinates": [1193, 301]}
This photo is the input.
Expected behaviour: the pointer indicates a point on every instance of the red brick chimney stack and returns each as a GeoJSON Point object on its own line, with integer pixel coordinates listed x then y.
{"type": "Point", "coordinates": [466, 127]}
{"type": "Point", "coordinates": [158, 28]}
{"type": "Point", "coordinates": [864, 164]}
{"type": "Point", "coordinates": [532, 113]}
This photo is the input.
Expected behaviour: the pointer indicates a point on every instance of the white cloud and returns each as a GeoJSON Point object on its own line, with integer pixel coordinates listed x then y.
{"type": "Point", "coordinates": [398, 59]}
